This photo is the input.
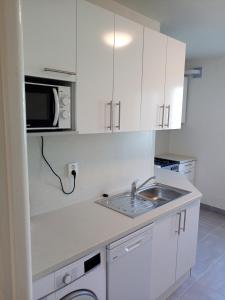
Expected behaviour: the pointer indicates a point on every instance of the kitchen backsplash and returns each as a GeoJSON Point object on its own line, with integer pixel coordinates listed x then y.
{"type": "Point", "coordinates": [108, 163]}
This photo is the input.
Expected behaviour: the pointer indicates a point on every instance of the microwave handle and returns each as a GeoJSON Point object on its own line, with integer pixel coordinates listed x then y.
{"type": "Point", "coordinates": [56, 97]}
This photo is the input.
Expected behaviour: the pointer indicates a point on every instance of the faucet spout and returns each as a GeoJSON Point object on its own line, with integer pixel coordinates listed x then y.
{"type": "Point", "coordinates": [134, 188]}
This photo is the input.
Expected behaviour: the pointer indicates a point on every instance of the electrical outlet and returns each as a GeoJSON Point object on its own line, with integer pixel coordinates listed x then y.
{"type": "Point", "coordinates": [72, 167]}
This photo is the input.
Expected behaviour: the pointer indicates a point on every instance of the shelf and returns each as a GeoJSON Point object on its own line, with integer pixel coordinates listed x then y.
{"type": "Point", "coordinates": [54, 133]}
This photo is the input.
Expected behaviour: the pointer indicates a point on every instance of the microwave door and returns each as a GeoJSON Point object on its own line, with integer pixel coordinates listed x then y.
{"type": "Point", "coordinates": [42, 107]}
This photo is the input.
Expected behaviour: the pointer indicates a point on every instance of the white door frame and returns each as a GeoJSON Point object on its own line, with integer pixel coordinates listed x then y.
{"type": "Point", "coordinates": [15, 250]}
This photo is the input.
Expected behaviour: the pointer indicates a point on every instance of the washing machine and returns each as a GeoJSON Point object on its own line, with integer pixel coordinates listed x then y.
{"type": "Point", "coordinates": [84, 279]}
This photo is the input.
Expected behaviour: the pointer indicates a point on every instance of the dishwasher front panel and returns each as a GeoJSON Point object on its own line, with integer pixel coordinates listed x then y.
{"type": "Point", "coordinates": [129, 268]}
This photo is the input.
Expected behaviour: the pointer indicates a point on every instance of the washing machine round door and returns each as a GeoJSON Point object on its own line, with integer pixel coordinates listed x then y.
{"type": "Point", "coordinates": [80, 295]}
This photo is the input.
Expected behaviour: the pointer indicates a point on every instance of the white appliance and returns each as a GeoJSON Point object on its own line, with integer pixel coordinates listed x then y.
{"type": "Point", "coordinates": [129, 266]}
{"type": "Point", "coordinates": [48, 104]}
{"type": "Point", "coordinates": [84, 279]}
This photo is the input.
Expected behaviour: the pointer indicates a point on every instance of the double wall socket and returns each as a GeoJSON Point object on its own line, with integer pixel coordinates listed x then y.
{"type": "Point", "coordinates": [72, 167]}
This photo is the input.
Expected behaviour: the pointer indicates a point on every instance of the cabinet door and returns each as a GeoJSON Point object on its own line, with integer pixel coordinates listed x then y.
{"type": "Point", "coordinates": [174, 84]}
{"type": "Point", "coordinates": [164, 254]}
{"type": "Point", "coordinates": [153, 82]}
{"type": "Point", "coordinates": [95, 41]}
{"type": "Point", "coordinates": [127, 74]}
{"type": "Point", "coordinates": [49, 35]}
{"type": "Point", "coordinates": [187, 242]}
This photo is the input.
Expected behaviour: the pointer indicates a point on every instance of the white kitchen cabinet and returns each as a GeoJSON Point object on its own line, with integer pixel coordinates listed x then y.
{"type": "Point", "coordinates": [175, 62]}
{"type": "Point", "coordinates": [109, 71]}
{"type": "Point", "coordinates": [187, 242]}
{"type": "Point", "coordinates": [95, 29]}
{"type": "Point", "coordinates": [128, 50]}
{"type": "Point", "coordinates": [153, 82]}
{"type": "Point", "coordinates": [164, 254]}
{"type": "Point", "coordinates": [174, 248]}
{"type": "Point", "coordinates": [49, 35]}
{"type": "Point", "coordinates": [162, 83]}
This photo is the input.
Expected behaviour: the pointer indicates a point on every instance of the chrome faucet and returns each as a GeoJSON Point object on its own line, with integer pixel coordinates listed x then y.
{"type": "Point", "coordinates": [134, 188]}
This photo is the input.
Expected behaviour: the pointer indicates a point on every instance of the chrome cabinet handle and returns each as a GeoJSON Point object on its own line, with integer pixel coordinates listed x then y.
{"type": "Point", "coordinates": [110, 104]}
{"type": "Point", "coordinates": [168, 118]}
{"type": "Point", "coordinates": [179, 228]}
{"type": "Point", "coordinates": [133, 246]}
{"type": "Point", "coordinates": [185, 216]}
{"type": "Point", "coordinates": [119, 117]}
{"type": "Point", "coordinates": [59, 71]}
{"type": "Point", "coordinates": [162, 107]}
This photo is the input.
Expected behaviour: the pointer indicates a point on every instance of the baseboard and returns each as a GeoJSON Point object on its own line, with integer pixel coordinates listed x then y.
{"type": "Point", "coordinates": [214, 209]}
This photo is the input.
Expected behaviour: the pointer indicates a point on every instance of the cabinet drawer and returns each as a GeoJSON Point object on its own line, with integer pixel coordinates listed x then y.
{"type": "Point", "coordinates": [187, 166]}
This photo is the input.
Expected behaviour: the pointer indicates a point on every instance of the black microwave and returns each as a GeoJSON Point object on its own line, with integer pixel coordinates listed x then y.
{"type": "Point", "coordinates": [48, 104]}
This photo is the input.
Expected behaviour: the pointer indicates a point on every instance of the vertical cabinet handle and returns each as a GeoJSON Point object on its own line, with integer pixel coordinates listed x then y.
{"type": "Point", "coordinates": [179, 228]}
{"type": "Point", "coordinates": [185, 216]}
{"type": "Point", "coordinates": [168, 116]}
{"type": "Point", "coordinates": [119, 115]}
{"type": "Point", "coordinates": [162, 107]}
{"type": "Point", "coordinates": [110, 104]}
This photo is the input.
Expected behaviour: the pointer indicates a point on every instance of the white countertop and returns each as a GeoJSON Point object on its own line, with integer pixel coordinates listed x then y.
{"type": "Point", "coordinates": [63, 236]}
{"type": "Point", "coordinates": [176, 157]}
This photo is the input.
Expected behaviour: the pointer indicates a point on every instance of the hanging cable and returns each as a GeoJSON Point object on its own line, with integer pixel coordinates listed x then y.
{"type": "Point", "coordinates": [59, 178]}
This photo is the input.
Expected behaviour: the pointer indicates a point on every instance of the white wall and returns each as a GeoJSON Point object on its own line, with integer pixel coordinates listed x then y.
{"type": "Point", "coordinates": [162, 142]}
{"type": "Point", "coordinates": [108, 163]}
{"type": "Point", "coordinates": [203, 135]}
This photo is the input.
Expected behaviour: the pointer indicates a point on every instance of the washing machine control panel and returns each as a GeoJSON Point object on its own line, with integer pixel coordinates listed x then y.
{"type": "Point", "coordinates": [68, 274]}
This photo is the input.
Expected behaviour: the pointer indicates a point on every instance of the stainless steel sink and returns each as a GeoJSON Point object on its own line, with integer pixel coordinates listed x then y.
{"type": "Point", "coordinates": [145, 200]}
{"type": "Point", "coordinates": [160, 194]}
{"type": "Point", "coordinates": [125, 204]}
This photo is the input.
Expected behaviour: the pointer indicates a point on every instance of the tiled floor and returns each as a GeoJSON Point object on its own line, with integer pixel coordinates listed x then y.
{"type": "Point", "coordinates": [208, 276]}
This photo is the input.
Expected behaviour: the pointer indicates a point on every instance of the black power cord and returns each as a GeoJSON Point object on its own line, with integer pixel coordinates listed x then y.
{"type": "Point", "coordinates": [60, 180]}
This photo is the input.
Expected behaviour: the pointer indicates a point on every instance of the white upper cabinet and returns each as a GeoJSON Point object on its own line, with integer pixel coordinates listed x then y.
{"type": "Point", "coordinates": [95, 40]}
{"type": "Point", "coordinates": [128, 77]}
{"type": "Point", "coordinates": [109, 71]}
{"type": "Point", "coordinates": [162, 84]}
{"type": "Point", "coordinates": [128, 48]}
{"type": "Point", "coordinates": [174, 84]}
{"type": "Point", "coordinates": [49, 34]}
{"type": "Point", "coordinates": [153, 83]}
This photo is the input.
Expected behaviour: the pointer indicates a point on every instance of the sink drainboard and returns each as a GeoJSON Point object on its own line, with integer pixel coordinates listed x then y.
{"type": "Point", "coordinates": [126, 205]}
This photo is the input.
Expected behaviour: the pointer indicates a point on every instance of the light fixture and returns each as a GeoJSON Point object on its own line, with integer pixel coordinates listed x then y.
{"type": "Point", "coordinates": [119, 39]}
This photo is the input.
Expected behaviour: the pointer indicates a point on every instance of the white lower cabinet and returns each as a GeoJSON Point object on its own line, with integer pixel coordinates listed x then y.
{"type": "Point", "coordinates": [187, 241]}
{"type": "Point", "coordinates": [164, 252]}
{"type": "Point", "coordinates": [174, 248]}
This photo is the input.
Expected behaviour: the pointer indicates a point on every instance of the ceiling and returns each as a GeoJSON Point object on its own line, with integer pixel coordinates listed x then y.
{"type": "Point", "coordinates": [199, 23]}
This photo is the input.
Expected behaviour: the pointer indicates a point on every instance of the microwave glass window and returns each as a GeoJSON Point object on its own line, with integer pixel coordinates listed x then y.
{"type": "Point", "coordinates": [38, 106]}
